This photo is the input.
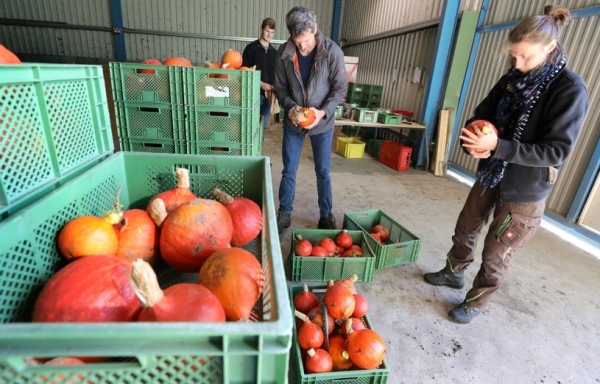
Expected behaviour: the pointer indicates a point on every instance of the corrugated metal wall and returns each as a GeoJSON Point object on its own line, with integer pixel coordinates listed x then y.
{"type": "Point", "coordinates": [235, 19]}
{"type": "Point", "coordinates": [581, 38]}
{"type": "Point", "coordinates": [53, 41]}
{"type": "Point", "coordinates": [230, 21]}
{"type": "Point", "coordinates": [379, 59]}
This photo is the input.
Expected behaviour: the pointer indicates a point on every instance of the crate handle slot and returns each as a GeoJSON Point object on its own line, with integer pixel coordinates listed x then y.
{"type": "Point", "coordinates": [27, 365]}
{"type": "Point", "coordinates": [219, 114]}
{"type": "Point", "coordinates": [153, 145]}
{"type": "Point", "coordinates": [148, 109]}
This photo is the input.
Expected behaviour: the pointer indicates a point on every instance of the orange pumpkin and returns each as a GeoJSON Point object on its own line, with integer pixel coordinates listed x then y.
{"type": "Point", "coordinates": [365, 347]}
{"type": "Point", "coordinates": [193, 231]}
{"type": "Point", "coordinates": [151, 62]}
{"type": "Point", "coordinates": [233, 58]}
{"type": "Point", "coordinates": [339, 356]}
{"type": "Point", "coordinates": [7, 57]}
{"type": "Point", "coordinates": [236, 277]}
{"type": "Point", "coordinates": [137, 236]}
{"type": "Point", "coordinates": [178, 62]}
{"type": "Point", "coordinates": [305, 116]}
{"type": "Point", "coordinates": [89, 235]}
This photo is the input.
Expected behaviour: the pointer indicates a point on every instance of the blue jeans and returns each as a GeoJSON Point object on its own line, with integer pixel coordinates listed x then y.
{"type": "Point", "coordinates": [292, 148]}
{"type": "Point", "coordinates": [265, 110]}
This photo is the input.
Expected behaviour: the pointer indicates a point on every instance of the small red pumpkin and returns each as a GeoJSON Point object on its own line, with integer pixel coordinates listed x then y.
{"type": "Point", "coordinates": [310, 335]}
{"type": "Point", "coordinates": [382, 231]}
{"type": "Point", "coordinates": [318, 361]}
{"type": "Point", "coordinates": [7, 57]}
{"type": "Point", "coordinates": [305, 300]}
{"type": "Point", "coordinates": [316, 316]}
{"type": "Point", "coordinates": [172, 198]}
{"type": "Point", "coordinates": [486, 128]}
{"type": "Point", "coordinates": [343, 239]}
{"type": "Point", "coordinates": [149, 62]}
{"type": "Point", "coordinates": [179, 302]}
{"type": "Point", "coordinates": [192, 232]}
{"type": "Point", "coordinates": [246, 217]}
{"type": "Point", "coordinates": [305, 116]}
{"type": "Point", "coordinates": [177, 62]}
{"type": "Point", "coordinates": [339, 301]}
{"type": "Point", "coordinates": [365, 347]}
{"type": "Point", "coordinates": [361, 306]}
{"type": "Point", "coordinates": [339, 356]}
{"type": "Point", "coordinates": [303, 247]}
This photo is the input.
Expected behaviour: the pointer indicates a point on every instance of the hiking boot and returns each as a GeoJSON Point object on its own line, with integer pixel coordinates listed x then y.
{"type": "Point", "coordinates": [464, 313]}
{"type": "Point", "coordinates": [283, 220]}
{"type": "Point", "coordinates": [446, 278]}
{"type": "Point", "coordinates": [327, 222]}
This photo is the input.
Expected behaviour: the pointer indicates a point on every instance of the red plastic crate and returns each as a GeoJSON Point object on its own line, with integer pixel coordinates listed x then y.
{"type": "Point", "coordinates": [394, 155]}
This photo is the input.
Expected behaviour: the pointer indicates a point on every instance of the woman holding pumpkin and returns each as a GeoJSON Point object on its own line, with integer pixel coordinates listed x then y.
{"type": "Point", "coordinates": [539, 107]}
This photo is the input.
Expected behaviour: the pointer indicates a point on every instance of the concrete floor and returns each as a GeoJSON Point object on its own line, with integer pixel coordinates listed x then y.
{"type": "Point", "coordinates": [542, 326]}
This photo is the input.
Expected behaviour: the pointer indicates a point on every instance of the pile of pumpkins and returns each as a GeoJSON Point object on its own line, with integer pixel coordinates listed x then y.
{"type": "Point", "coordinates": [110, 275]}
{"type": "Point", "coordinates": [231, 59]}
{"type": "Point", "coordinates": [331, 333]}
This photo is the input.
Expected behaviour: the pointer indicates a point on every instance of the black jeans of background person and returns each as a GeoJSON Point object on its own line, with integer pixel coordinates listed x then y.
{"type": "Point", "coordinates": [512, 226]}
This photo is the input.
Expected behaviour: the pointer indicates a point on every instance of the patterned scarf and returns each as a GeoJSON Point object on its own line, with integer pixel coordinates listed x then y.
{"type": "Point", "coordinates": [514, 109]}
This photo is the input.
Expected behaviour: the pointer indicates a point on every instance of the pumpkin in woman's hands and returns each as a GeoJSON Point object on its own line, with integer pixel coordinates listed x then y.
{"type": "Point", "coordinates": [485, 127]}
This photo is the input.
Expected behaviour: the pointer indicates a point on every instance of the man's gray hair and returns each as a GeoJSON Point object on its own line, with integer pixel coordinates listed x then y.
{"type": "Point", "coordinates": [300, 20]}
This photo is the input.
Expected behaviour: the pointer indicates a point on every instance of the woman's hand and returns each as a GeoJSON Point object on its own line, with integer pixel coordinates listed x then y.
{"type": "Point", "coordinates": [478, 141]}
{"type": "Point", "coordinates": [480, 154]}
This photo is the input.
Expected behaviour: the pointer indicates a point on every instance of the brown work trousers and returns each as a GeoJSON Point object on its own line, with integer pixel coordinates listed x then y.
{"type": "Point", "coordinates": [513, 225]}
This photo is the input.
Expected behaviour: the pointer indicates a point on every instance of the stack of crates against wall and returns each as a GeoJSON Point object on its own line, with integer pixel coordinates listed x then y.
{"type": "Point", "coordinates": [149, 107]}
{"type": "Point", "coordinates": [372, 96]}
{"type": "Point", "coordinates": [401, 247]}
{"type": "Point", "coordinates": [53, 126]}
{"type": "Point", "coordinates": [222, 109]}
{"type": "Point", "coordinates": [354, 93]}
{"type": "Point", "coordinates": [378, 375]}
{"type": "Point", "coordinates": [139, 352]}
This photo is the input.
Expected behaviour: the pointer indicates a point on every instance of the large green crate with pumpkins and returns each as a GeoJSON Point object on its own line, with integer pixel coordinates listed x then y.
{"type": "Point", "coordinates": [378, 375]}
{"type": "Point", "coordinates": [312, 268]}
{"type": "Point", "coordinates": [144, 83]}
{"type": "Point", "coordinates": [402, 246]}
{"type": "Point", "coordinates": [231, 352]}
{"type": "Point", "coordinates": [207, 87]}
{"type": "Point", "coordinates": [54, 125]}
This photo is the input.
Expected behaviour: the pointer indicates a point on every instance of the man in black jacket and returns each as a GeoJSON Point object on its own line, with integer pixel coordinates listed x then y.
{"type": "Point", "coordinates": [262, 54]}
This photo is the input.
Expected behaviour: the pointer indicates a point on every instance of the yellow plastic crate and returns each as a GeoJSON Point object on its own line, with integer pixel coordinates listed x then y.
{"type": "Point", "coordinates": [350, 147]}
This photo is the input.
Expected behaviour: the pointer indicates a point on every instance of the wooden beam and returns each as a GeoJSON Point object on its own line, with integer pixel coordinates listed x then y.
{"type": "Point", "coordinates": [441, 142]}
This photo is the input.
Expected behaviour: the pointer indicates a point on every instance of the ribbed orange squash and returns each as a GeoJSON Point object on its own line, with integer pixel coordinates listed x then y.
{"type": "Point", "coordinates": [235, 276]}
{"type": "Point", "coordinates": [192, 232]}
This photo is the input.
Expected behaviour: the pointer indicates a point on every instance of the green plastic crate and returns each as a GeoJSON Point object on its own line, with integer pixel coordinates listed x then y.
{"type": "Point", "coordinates": [54, 125]}
{"type": "Point", "coordinates": [371, 98]}
{"type": "Point", "coordinates": [389, 118]}
{"type": "Point", "coordinates": [134, 82]}
{"type": "Point", "coordinates": [373, 89]}
{"type": "Point", "coordinates": [339, 112]}
{"type": "Point", "coordinates": [365, 115]}
{"type": "Point", "coordinates": [355, 88]}
{"type": "Point", "coordinates": [310, 268]}
{"type": "Point", "coordinates": [149, 127]}
{"type": "Point", "coordinates": [240, 89]}
{"type": "Point", "coordinates": [401, 248]}
{"type": "Point", "coordinates": [223, 127]}
{"type": "Point", "coordinates": [231, 352]}
{"type": "Point", "coordinates": [362, 376]}
{"type": "Point", "coordinates": [373, 147]}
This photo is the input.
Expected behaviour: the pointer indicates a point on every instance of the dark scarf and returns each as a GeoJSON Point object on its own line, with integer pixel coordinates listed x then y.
{"type": "Point", "coordinates": [514, 108]}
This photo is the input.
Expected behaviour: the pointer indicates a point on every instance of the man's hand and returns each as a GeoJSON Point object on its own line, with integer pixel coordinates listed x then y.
{"type": "Point", "coordinates": [265, 86]}
{"type": "Point", "coordinates": [293, 115]}
{"type": "Point", "coordinates": [319, 115]}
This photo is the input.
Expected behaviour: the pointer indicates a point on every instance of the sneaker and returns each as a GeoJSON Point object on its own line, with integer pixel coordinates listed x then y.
{"type": "Point", "coordinates": [283, 220]}
{"type": "Point", "coordinates": [446, 278]}
{"type": "Point", "coordinates": [327, 222]}
{"type": "Point", "coordinates": [464, 313]}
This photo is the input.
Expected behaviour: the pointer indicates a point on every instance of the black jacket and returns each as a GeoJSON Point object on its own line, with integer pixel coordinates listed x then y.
{"type": "Point", "coordinates": [264, 59]}
{"type": "Point", "coordinates": [546, 141]}
{"type": "Point", "coordinates": [326, 85]}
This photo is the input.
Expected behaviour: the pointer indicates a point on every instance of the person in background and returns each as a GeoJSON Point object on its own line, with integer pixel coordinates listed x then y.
{"type": "Point", "coordinates": [263, 55]}
{"type": "Point", "coordinates": [310, 72]}
{"type": "Point", "coordinates": [538, 107]}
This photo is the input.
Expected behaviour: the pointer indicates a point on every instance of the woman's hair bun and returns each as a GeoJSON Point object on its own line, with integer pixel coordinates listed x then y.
{"type": "Point", "coordinates": [558, 14]}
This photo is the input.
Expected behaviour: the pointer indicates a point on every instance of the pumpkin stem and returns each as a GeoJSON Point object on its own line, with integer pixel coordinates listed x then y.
{"type": "Point", "coordinates": [301, 315]}
{"type": "Point", "coordinates": [225, 198]}
{"type": "Point", "coordinates": [115, 215]}
{"type": "Point", "coordinates": [349, 329]}
{"type": "Point", "coordinates": [183, 178]}
{"type": "Point", "coordinates": [311, 352]}
{"type": "Point", "coordinates": [224, 66]}
{"type": "Point", "coordinates": [145, 284]}
{"type": "Point", "coordinates": [158, 211]}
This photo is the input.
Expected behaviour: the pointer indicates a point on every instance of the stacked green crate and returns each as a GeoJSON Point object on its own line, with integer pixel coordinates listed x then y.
{"type": "Point", "coordinates": [149, 107]}
{"type": "Point", "coordinates": [222, 109]}
{"type": "Point", "coordinates": [354, 93]}
{"type": "Point", "coordinates": [372, 96]}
